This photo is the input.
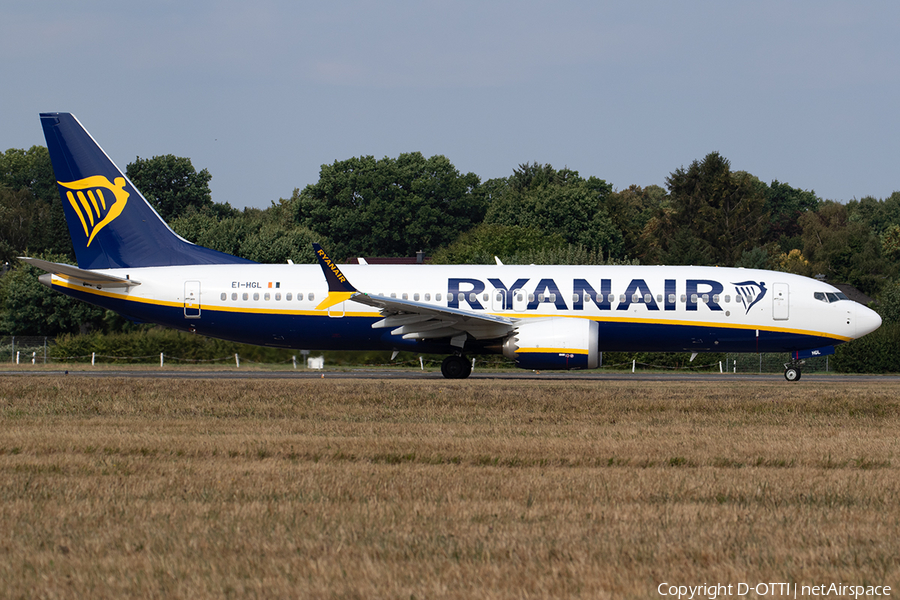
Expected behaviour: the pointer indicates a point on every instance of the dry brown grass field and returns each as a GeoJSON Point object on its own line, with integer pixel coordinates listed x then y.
{"type": "Point", "coordinates": [152, 488]}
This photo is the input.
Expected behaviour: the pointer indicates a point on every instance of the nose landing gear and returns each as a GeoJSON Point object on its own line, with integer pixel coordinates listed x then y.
{"type": "Point", "coordinates": [792, 370]}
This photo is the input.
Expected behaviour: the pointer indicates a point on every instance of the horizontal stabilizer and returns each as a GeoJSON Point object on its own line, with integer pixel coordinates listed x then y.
{"type": "Point", "coordinates": [70, 272]}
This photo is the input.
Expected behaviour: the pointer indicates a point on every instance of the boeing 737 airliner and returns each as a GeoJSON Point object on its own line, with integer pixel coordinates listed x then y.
{"type": "Point", "coordinates": [543, 317]}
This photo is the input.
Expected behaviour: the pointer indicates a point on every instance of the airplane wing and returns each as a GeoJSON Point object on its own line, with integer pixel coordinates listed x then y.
{"type": "Point", "coordinates": [76, 274]}
{"type": "Point", "coordinates": [413, 320]}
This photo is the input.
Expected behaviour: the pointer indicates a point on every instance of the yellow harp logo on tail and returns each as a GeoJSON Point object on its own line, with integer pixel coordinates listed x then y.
{"type": "Point", "coordinates": [96, 209]}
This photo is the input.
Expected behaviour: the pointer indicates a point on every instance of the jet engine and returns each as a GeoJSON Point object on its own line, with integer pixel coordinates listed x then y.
{"type": "Point", "coordinates": [557, 343]}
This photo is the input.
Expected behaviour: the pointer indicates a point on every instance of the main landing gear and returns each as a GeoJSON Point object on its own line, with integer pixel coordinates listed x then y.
{"type": "Point", "coordinates": [792, 370]}
{"type": "Point", "coordinates": [456, 366]}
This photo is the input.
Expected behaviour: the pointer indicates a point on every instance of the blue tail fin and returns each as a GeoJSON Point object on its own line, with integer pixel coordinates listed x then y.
{"type": "Point", "coordinates": [111, 224]}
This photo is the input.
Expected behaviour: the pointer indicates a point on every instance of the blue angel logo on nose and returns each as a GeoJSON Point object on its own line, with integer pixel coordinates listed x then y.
{"type": "Point", "coordinates": [749, 293]}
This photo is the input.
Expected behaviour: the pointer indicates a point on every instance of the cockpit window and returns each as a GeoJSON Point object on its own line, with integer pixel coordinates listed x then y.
{"type": "Point", "coordinates": [829, 296]}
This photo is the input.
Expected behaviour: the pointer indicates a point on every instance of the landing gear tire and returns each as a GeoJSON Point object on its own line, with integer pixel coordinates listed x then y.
{"type": "Point", "coordinates": [792, 374]}
{"type": "Point", "coordinates": [456, 367]}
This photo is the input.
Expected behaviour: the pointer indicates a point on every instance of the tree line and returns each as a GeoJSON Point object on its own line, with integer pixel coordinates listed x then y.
{"type": "Point", "coordinates": [707, 214]}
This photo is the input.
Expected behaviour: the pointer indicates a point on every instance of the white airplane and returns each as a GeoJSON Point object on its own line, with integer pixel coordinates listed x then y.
{"type": "Point", "coordinates": [543, 317]}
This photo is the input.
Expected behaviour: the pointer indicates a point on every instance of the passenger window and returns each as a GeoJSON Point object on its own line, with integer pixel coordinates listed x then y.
{"type": "Point", "coordinates": [716, 298]}
{"type": "Point", "coordinates": [224, 295]}
{"type": "Point", "coordinates": [540, 297]}
{"type": "Point", "coordinates": [405, 296]}
{"type": "Point", "coordinates": [437, 297]}
{"type": "Point", "coordinates": [427, 297]}
{"type": "Point", "coordinates": [277, 297]}
{"type": "Point", "coordinates": [256, 295]}
{"type": "Point", "coordinates": [671, 298]}
{"type": "Point", "coordinates": [393, 294]}
{"type": "Point", "coordinates": [300, 297]}
{"type": "Point", "coordinates": [530, 297]}
{"type": "Point", "coordinates": [312, 296]}
{"type": "Point", "coordinates": [635, 298]}
{"type": "Point", "coordinates": [693, 298]}
{"type": "Point", "coordinates": [245, 296]}
{"type": "Point", "coordinates": [622, 298]}
{"type": "Point", "coordinates": [727, 298]}
{"type": "Point", "coordinates": [659, 297]}
{"type": "Point", "coordinates": [611, 298]}
{"type": "Point", "coordinates": [684, 298]}
{"type": "Point", "coordinates": [234, 296]}
{"type": "Point", "coordinates": [266, 297]}
{"type": "Point", "coordinates": [705, 298]}
{"type": "Point", "coordinates": [288, 296]}
{"type": "Point", "coordinates": [648, 298]}
{"type": "Point", "coordinates": [552, 297]}
{"type": "Point", "coordinates": [416, 297]}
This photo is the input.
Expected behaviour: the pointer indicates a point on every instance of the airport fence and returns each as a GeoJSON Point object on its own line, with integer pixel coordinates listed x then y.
{"type": "Point", "coordinates": [41, 350]}
{"type": "Point", "coordinates": [26, 349]}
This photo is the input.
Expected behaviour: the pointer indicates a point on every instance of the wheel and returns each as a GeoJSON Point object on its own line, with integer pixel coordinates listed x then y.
{"type": "Point", "coordinates": [456, 367]}
{"type": "Point", "coordinates": [792, 374]}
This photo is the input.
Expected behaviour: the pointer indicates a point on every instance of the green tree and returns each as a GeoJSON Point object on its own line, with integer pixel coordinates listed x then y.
{"type": "Point", "coordinates": [890, 243]}
{"type": "Point", "coordinates": [29, 308]}
{"type": "Point", "coordinates": [843, 250]}
{"type": "Point", "coordinates": [28, 174]}
{"type": "Point", "coordinates": [889, 302]}
{"type": "Point", "coordinates": [722, 208]}
{"type": "Point", "coordinates": [265, 236]}
{"type": "Point", "coordinates": [785, 204]}
{"type": "Point", "coordinates": [18, 210]}
{"type": "Point", "coordinates": [878, 215]}
{"type": "Point", "coordinates": [559, 203]}
{"type": "Point", "coordinates": [481, 244]}
{"type": "Point", "coordinates": [631, 210]}
{"type": "Point", "coordinates": [389, 207]}
{"type": "Point", "coordinates": [171, 184]}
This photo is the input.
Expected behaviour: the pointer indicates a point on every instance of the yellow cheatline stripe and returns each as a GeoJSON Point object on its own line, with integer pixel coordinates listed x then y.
{"type": "Point", "coordinates": [237, 309]}
{"type": "Point", "coordinates": [745, 326]}
{"type": "Point", "coordinates": [553, 350]}
{"type": "Point", "coordinates": [66, 283]}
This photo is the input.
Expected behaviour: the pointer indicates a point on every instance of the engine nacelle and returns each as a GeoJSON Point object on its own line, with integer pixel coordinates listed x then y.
{"type": "Point", "coordinates": [557, 343]}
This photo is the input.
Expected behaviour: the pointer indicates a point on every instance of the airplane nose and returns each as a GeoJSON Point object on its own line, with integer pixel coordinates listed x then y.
{"type": "Point", "coordinates": [867, 320]}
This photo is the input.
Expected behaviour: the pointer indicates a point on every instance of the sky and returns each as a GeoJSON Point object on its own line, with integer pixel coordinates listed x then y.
{"type": "Point", "coordinates": [263, 94]}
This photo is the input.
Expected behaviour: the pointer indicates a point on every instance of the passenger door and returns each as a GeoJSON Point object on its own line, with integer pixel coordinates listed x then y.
{"type": "Point", "coordinates": [191, 299]}
{"type": "Point", "coordinates": [780, 301]}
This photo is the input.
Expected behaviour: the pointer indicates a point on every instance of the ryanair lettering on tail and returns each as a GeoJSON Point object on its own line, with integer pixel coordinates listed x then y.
{"type": "Point", "coordinates": [331, 265]}
{"type": "Point", "coordinates": [95, 209]}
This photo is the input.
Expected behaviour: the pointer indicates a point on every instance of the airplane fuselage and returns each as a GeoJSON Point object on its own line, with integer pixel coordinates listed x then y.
{"type": "Point", "coordinates": [637, 308]}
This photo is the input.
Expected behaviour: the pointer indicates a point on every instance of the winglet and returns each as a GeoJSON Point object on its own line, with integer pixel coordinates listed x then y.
{"type": "Point", "coordinates": [339, 288]}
